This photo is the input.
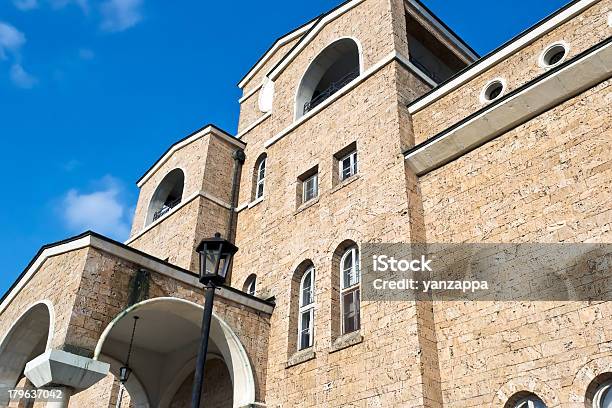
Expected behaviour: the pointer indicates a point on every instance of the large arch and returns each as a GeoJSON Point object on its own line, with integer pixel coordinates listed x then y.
{"type": "Point", "coordinates": [165, 346]}
{"type": "Point", "coordinates": [169, 194]}
{"type": "Point", "coordinates": [28, 337]}
{"type": "Point", "coordinates": [337, 65]}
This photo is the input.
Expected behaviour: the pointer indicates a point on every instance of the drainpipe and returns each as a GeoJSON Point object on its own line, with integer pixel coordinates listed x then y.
{"type": "Point", "coordinates": [239, 158]}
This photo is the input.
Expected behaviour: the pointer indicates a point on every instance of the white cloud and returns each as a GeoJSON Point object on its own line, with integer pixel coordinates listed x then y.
{"type": "Point", "coordinates": [25, 5]}
{"type": "Point", "coordinates": [11, 39]}
{"type": "Point", "coordinates": [119, 15]}
{"type": "Point", "coordinates": [21, 77]}
{"type": "Point", "coordinates": [102, 211]}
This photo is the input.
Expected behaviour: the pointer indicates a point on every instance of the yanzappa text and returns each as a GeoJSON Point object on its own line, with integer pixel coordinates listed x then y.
{"type": "Point", "coordinates": [430, 285]}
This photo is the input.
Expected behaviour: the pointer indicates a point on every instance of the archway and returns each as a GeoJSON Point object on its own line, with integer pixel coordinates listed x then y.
{"type": "Point", "coordinates": [168, 195]}
{"type": "Point", "coordinates": [28, 338]}
{"type": "Point", "coordinates": [165, 346]}
{"type": "Point", "coordinates": [337, 65]}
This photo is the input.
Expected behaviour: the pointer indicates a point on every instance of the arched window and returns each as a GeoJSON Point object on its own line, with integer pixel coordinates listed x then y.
{"type": "Point", "coordinates": [250, 285]}
{"type": "Point", "coordinates": [260, 177]}
{"type": "Point", "coordinates": [306, 310]}
{"type": "Point", "coordinates": [349, 290]}
{"type": "Point", "coordinates": [336, 66]}
{"type": "Point", "coordinates": [168, 195]}
{"type": "Point", "coordinates": [525, 399]}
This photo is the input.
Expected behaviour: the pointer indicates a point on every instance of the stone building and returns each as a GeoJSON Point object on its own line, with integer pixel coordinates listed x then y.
{"type": "Point", "coordinates": [373, 122]}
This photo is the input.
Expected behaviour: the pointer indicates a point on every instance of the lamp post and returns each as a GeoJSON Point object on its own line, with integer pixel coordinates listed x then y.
{"type": "Point", "coordinates": [215, 258]}
{"type": "Point", "coordinates": [125, 371]}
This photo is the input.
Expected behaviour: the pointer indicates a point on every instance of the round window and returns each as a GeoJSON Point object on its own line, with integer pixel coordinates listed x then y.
{"type": "Point", "coordinates": [492, 91]}
{"type": "Point", "coordinates": [553, 55]}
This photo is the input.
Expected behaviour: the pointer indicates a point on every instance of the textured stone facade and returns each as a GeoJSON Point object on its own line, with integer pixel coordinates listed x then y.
{"type": "Point", "coordinates": [545, 180]}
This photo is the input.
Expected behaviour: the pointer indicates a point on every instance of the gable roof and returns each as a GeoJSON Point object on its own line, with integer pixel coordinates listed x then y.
{"type": "Point", "coordinates": [311, 28]}
{"type": "Point", "coordinates": [192, 137]}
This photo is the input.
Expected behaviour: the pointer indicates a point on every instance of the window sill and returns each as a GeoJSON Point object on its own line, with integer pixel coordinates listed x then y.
{"type": "Point", "coordinates": [306, 205]}
{"type": "Point", "coordinates": [345, 183]}
{"type": "Point", "coordinates": [346, 340]}
{"type": "Point", "coordinates": [255, 202]}
{"type": "Point", "coordinates": [300, 357]}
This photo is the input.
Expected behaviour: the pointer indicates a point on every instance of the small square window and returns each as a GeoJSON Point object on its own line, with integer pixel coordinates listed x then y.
{"type": "Point", "coordinates": [348, 166]}
{"type": "Point", "coordinates": [310, 188]}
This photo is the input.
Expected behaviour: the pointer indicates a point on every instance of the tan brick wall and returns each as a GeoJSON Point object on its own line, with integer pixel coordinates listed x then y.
{"type": "Point", "coordinates": [545, 181]}
{"type": "Point", "coordinates": [581, 33]}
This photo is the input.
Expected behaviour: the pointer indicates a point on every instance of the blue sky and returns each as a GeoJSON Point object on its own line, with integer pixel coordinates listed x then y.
{"type": "Point", "coordinates": [93, 91]}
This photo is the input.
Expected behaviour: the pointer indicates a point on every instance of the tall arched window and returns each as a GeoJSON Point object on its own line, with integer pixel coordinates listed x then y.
{"type": "Point", "coordinates": [259, 177]}
{"type": "Point", "coordinates": [336, 66]}
{"type": "Point", "coordinates": [306, 310]}
{"type": "Point", "coordinates": [168, 195]}
{"type": "Point", "coordinates": [349, 290]}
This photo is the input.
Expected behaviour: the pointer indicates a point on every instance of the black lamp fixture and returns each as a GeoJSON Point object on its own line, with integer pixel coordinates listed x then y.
{"type": "Point", "coordinates": [125, 371]}
{"type": "Point", "coordinates": [216, 255]}
{"type": "Point", "coordinates": [215, 259]}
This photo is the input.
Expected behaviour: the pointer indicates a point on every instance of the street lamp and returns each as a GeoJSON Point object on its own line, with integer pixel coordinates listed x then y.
{"type": "Point", "coordinates": [125, 371]}
{"type": "Point", "coordinates": [215, 258]}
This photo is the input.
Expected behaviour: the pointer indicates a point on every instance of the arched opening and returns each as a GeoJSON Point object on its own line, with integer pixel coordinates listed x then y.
{"type": "Point", "coordinates": [599, 392]}
{"type": "Point", "coordinates": [168, 195]}
{"type": "Point", "coordinates": [163, 360]}
{"type": "Point", "coordinates": [302, 306]}
{"type": "Point", "coordinates": [26, 339]}
{"type": "Point", "coordinates": [525, 399]}
{"type": "Point", "coordinates": [345, 285]}
{"type": "Point", "coordinates": [336, 66]}
{"type": "Point", "coordinates": [250, 285]}
{"type": "Point", "coordinates": [259, 177]}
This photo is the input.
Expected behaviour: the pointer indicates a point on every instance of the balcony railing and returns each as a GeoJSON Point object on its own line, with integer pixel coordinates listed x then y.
{"type": "Point", "coordinates": [333, 88]}
{"type": "Point", "coordinates": [165, 208]}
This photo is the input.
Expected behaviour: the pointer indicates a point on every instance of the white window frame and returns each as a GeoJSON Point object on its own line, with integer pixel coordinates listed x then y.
{"type": "Point", "coordinates": [600, 393]}
{"type": "Point", "coordinates": [352, 157]}
{"type": "Point", "coordinates": [345, 287]}
{"type": "Point", "coordinates": [315, 179]}
{"type": "Point", "coordinates": [306, 309]}
{"type": "Point", "coordinates": [261, 179]}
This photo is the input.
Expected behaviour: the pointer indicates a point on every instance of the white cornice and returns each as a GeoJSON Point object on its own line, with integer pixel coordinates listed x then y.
{"type": "Point", "coordinates": [173, 210]}
{"type": "Point", "coordinates": [253, 125]}
{"type": "Point", "coordinates": [501, 54]}
{"type": "Point", "coordinates": [209, 129]}
{"type": "Point", "coordinates": [128, 254]}
{"type": "Point", "coordinates": [310, 35]}
{"type": "Point", "coordinates": [277, 44]}
{"type": "Point", "coordinates": [517, 108]}
{"type": "Point", "coordinates": [448, 34]}
{"type": "Point", "coordinates": [351, 85]}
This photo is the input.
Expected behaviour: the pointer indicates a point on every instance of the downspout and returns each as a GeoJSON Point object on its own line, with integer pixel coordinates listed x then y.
{"type": "Point", "coordinates": [239, 158]}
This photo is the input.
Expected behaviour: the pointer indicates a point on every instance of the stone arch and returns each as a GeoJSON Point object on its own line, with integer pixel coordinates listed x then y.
{"type": "Point", "coordinates": [158, 354]}
{"type": "Point", "coordinates": [588, 378]}
{"type": "Point", "coordinates": [526, 385]}
{"type": "Point", "coordinates": [338, 63]}
{"type": "Point", "coordinates": [29, 336]}
{"type": "Point", "coordinates": [167, 195]}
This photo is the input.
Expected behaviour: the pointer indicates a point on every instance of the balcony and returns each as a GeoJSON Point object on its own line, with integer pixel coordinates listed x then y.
{"type": "Point", "coordinates": [332, 89]}
{"type": "Point", "coordinates": [166, 208]}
